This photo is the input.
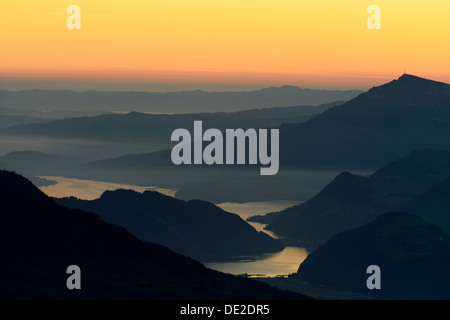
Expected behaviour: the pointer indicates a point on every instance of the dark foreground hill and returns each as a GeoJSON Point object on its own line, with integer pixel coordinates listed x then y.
{"type": "Point", "coordinates": [413, 256]}
{"type": "Point", "coordinates": [39, 239]}
{"type": "Point", "coordinates": [195, 228]}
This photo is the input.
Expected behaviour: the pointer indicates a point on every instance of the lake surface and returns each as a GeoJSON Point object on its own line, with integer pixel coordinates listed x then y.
{"type": "Point", "coordinates": [269, 265]}
{"type": "Point", "coordinates": [90, 189]}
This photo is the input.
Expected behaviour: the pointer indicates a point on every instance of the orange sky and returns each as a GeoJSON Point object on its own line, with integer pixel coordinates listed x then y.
{"type": "Point", "coordinates": [322, 43]}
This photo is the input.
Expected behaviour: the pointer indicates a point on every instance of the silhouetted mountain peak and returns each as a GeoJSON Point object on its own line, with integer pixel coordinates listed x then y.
{"type": "Point", "coordinates": [413, 85]}
{"type": "Point", "coordinates": [13, 187]}
{"type": "Point", "coordinates": [345, 176]}
{"type": "Point", "coordinates": [206, 205]}
{"type": "Point", "coordinates": [124, 195]}
{"type": "Point", "coordinates": [150, 198]}
{"type": "Point", "coordinates": [408, 98]}
{"type": "Point", "coordinates": [412, 80]}
{"type": "Point", "coordinates": [383, 123]}
{"type": "Point", "coordinates": [410, 77]}
{"type": "Point", "coordinates": [116, 194]}
{"type": "Point", "coordinates": [344, 182]}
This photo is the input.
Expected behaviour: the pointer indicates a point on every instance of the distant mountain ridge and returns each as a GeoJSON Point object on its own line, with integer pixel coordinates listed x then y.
{"type": "Point", "coordinates": [433, 205]}
{"type": "Point", "coordinates": [386, 122]}
{"type": "Point", "coordinates": [34, 163]}
{"type": "Point", "coordinates": [146, 127]}
{"type": "Point", "coordinates": [170, 102]}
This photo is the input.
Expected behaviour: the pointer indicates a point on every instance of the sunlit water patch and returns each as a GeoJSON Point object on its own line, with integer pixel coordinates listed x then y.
{"type": "Point", "coordinates": [270, 265]}
{"type": "Point", "coordinates": [90, 189]}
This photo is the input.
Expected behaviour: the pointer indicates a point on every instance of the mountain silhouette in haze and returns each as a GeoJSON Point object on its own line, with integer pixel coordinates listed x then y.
{"type": "Point", "coordinates": [39, 239]}
{"type": "Point", "coordinates": [433, 205]}
{"type": "Point", "coordinates": [412, 174]}
{"type": "Point", "coordinates": [169, 102]}
{"type": "Point", "coordinates": [349, 201]}
{"type": "Point", "coordinates": [413, 256]}
{"type": "Point", "coordinates": [195, 228]}
{"type": "Point", "coordinates": [32, 164]}
{"type": "Point", "coordinates": [156, 127]}
{"type": "Point", "coordinates": [383, 123]}
{"type": "Point", "coordinates": [368, 131]}
{"type": "Point", "coordinates": [35, 162]}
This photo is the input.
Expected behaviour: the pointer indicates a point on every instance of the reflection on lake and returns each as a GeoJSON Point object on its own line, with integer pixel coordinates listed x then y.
{"type": "Point", "coordinates": [90, 189]}
{"type": "Point", "coordinates": [269, 265]}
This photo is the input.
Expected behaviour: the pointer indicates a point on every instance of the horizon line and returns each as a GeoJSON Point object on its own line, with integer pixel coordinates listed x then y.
{"type": "Point", "coordinates": [305, 82]}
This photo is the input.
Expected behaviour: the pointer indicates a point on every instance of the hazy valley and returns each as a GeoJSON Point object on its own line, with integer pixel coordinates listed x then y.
{"type": "Point", "coordinates": [369, 179]}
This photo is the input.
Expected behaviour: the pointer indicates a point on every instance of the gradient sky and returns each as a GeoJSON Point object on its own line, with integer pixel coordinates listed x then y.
{"type": "Point", "coordinates": [220, 44]}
